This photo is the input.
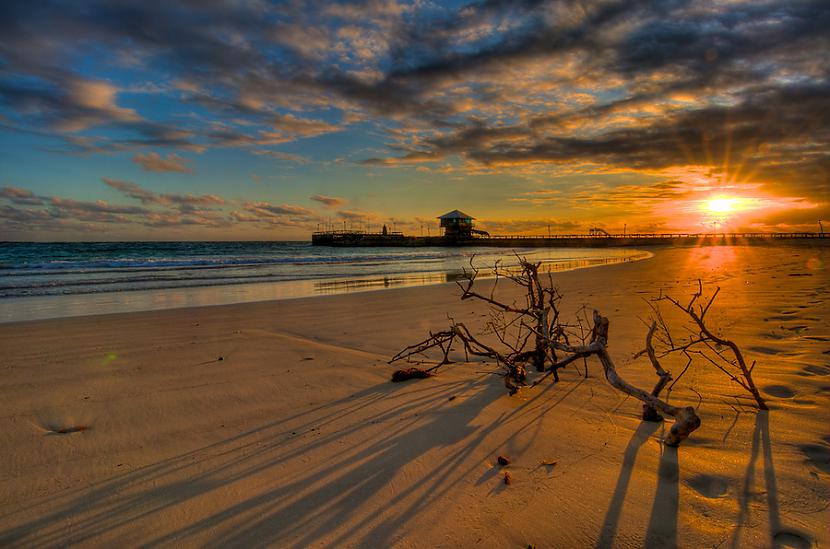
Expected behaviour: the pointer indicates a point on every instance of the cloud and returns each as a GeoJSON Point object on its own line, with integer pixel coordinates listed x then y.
{"type": "Point", "coordinates": [23, 216]}
{"type": "Point", "coordinates": [74, 105]}
{"type": "Point", "coordinates": [98, 206]}
{"type": "Point", "coordinates": [535, 86]}
{"type": "Point", "coordinates": [358, 215]}
{"type": "Point", "coordinates": [529, 226]}
{"type": "Point", "coordinates": [295, 127]}
{"type": "Point", "coordinates": [173, 220]}
{"type": "Point", "coordinates": [132, 190]}
{"type": "Point", "coordinates": [268, 210]}
{"type": "Point", "coordinates": [282, 215]}
{"type": "Point", "coordinates": [328, 201]}
{"type": "Point", "coordinates": [153, 162]}
{"type": "Point", "coordinates": [97, 211]}
{"type": "Point", "coordinates": [279, 155]}
{"type": "Point", "coordinates": [55, 213]}
{"type": "Point", "coordinates": [741, 137]}
{"type": "Point", "coordinates": [20, 196]}
{"type": "Point", "coordinates": [94, 104]}
{"type": "Point", "coordinates": [185, 203]}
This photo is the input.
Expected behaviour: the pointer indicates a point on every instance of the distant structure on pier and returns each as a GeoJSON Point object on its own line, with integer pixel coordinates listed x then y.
{"type": "Point", "coordinates": [459, 231]}
{"type": "Point", "coordinates": [458, 225]}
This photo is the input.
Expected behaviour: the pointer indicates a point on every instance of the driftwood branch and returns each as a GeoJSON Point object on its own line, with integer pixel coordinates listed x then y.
{"type": "Point", "coordinates": [534, 335]}
{"type": "Point", "coordinates": [650, 413]}
{"type": "Point", "coordinates": [686, 419]}
{"type": "Point", "coordinates": [735, 367]}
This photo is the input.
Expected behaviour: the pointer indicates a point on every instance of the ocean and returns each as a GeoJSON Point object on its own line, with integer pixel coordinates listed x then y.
{"type": "Point", "coordinates": [50, 280]}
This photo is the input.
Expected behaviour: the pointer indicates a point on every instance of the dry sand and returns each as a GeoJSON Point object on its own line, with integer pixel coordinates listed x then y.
{"type": "Point", "coordinates": [295, 438]}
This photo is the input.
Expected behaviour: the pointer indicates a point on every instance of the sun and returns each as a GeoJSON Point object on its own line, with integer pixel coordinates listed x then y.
{"type": "Point", "coordinates": [722, 205]}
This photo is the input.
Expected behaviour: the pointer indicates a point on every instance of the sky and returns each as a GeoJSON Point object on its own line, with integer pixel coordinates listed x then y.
{"type": "Point", "coordinates": [254, 120]}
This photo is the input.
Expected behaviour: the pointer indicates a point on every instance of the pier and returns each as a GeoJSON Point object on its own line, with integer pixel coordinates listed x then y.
{"type": "Point", "coordinates": [361, 238]}
{"type": "Point", "coordinates": [459, 231]}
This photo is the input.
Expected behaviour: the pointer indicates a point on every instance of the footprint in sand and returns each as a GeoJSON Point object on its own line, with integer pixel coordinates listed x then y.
{"type": "Point", "coordinates": [709, 486]}
{"type": "Point", "coordinates": [63, 425]}
{"type": "Point", "coordinates": [816, 370]}
{"type": "Point", "coordinates": [761, 350]}
{"type": "Point", "coordinates": [794, 539]}
{"type": "Point", "coordinates": [64, 429]}
{"type": "Point", "coordinates": [782, 317]}
{"type": "Point", "coordinates": [779, 391]}
{"type": "Point", "coordinates": [817, 456]}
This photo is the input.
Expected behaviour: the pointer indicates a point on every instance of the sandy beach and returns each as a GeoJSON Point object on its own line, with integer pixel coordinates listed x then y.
{"type": "Point", "coordinates": [275, 424]}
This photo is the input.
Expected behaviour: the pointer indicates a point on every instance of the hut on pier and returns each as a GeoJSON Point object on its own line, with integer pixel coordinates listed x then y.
{"type": "Point", "coordinates": [457, 224]}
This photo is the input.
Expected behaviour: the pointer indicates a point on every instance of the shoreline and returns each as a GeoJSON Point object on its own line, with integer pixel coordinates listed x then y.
{"type": "Point", "coordinates": [125, 301]}
{"type": "Point", "coordinates": [274, 423]}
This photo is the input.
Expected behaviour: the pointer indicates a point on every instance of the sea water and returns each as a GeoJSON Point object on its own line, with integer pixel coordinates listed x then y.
{"type": "Point", "coordinates": [48, 280]}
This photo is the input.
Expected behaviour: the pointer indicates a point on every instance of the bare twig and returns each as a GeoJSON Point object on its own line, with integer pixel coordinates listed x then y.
{"type": "Point", "coordinates": [716, 344]}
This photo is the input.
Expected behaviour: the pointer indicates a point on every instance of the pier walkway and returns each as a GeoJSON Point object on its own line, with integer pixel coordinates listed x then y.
{"type": "Point", "coordinates": [360, 238]}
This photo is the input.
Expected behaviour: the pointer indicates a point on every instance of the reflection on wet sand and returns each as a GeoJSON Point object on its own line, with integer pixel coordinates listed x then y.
{"type": "Point", "coordinates": [337, 286]}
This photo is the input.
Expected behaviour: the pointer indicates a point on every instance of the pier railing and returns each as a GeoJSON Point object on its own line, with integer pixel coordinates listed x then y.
{"type": "Point", "coordinates": [362, 238]}
{"type": "Point", "coordinates": [791, 235]}
{"type": "Point", "coordinates": [662, 235]}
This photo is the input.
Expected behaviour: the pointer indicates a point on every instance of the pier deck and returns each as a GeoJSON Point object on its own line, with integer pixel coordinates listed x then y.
{"type": "Point", "coordinates": [358, 238]}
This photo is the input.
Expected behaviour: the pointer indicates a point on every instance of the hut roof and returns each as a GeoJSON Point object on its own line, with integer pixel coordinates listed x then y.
{"type": "Point", "coordinates": [456, 214]}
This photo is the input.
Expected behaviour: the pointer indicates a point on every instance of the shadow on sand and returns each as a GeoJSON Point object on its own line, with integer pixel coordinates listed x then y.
{"type": "Point", "coordinates": [238, 492]}
{"type": "Point", "coordinates": [316, 505]}
{"type": "Point", "coordinates": [294, 511]}
{"type": "Point", "coordinates": [612, 516]}
{"type": "Point", "coordinates": [779, 535]}
{"type": "Point", "coordinates": [662, 526]}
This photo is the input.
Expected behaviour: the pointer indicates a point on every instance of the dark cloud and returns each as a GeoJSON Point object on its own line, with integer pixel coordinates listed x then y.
{"type": "Point", "coordinates": [761, 133]}
{"type": "Point", "coordinates": [157, 210]}
{"type": "Point", "coordinates": [703, 41]}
